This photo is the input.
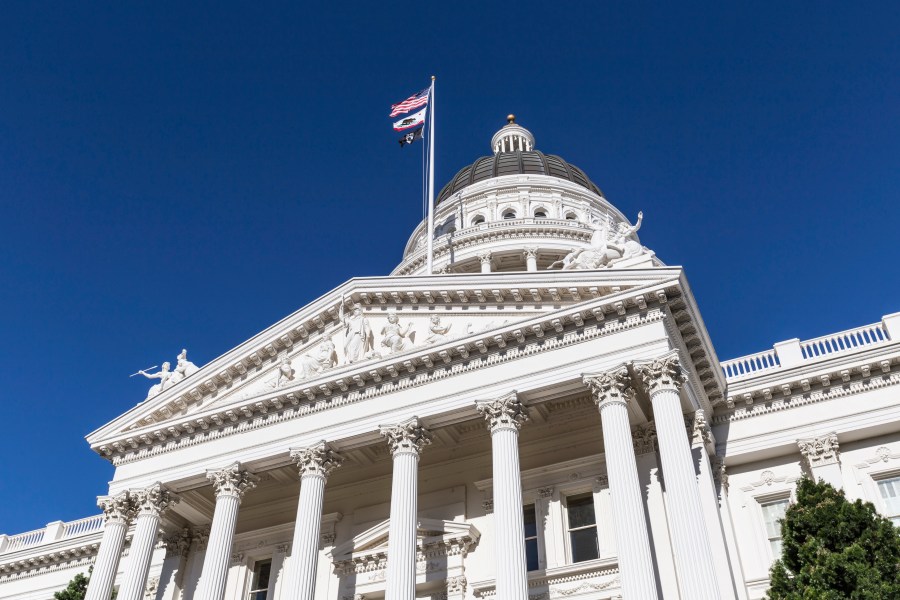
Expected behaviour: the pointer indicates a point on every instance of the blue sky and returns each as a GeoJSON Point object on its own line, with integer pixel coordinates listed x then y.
{"type": "Point", "coordinates": [183, 176]}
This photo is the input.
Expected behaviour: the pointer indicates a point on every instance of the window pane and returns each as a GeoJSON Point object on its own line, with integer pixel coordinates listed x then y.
{"type": "Point", "coordinates": [530, 522]}
{"type": "Point", "coordinates": [531, 554]}
{"type": "Point", "coordinates": [584, 544]}
{"type": "Point", "coordinates": [262, 575]}
{"type": "Point", "coordinates": [890, 493]}
{"type": "Point", "coordinates": [772, 513]}
{"type": "Point", "coordinates": [776, 548]}
{"type": "Point", "coordinates": [259, 595]}
{"type": "Point", "coordinates": [581, 510]}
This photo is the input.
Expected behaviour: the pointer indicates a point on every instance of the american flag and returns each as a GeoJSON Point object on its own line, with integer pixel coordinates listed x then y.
{"type": "Point", "coordinates": [414, 101]}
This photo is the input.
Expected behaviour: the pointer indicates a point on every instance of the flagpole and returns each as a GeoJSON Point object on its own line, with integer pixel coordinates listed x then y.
{"type": "Point", "coordinates": [431, 183]}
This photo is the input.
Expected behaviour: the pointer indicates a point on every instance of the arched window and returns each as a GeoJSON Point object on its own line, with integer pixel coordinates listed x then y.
{"type": "Point", "coordinates": [540, 213]}
{"type": "Point", "coordinates": [509, 214]}
{"type": "Point", "coordinates": [570, 216]}
{"type": "Point", "coordinates": [477, 219]}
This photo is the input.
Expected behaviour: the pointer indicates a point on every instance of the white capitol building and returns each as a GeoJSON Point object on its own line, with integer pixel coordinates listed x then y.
{"type": "Point", "coordinates": [544, 417]}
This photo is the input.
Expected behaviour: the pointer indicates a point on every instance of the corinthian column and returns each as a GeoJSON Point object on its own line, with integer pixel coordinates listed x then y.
{"type": "Point", "coordinates": [612, 392]}
{"type": "Point", "coordinates": [315, 463]}
{"type": "Point", "coordinates": [117, 512]}
{"type": "Point", "coordinates": [505, 416]}
{"type": "Point", "coordinates": [230, 485]}
{"type": "Point", "coordinates": [663, 377]}
{"type": "Point", "coordinates": [149, 504]}
{"type": "Point", "coordinates": [406, 441]}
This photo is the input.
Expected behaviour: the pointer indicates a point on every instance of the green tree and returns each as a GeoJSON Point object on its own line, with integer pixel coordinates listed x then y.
{"type": "Point", "coordinates": [834, 549]}
{"type": "Point", "coordinates": [77, 588]}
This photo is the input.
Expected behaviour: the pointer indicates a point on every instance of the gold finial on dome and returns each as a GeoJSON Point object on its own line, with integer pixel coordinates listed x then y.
{"type": "Point", "coordinates": [510, 118]}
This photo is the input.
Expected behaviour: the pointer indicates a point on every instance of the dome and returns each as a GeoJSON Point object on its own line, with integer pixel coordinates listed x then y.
{"type": "Point", "coordinates": [514, 154]}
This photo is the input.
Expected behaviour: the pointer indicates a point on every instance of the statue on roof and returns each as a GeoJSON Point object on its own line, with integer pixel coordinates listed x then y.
{"type": "Point", "coordinates": [165, 377]}
{"type": "Point", "coordinates": [606, 249]}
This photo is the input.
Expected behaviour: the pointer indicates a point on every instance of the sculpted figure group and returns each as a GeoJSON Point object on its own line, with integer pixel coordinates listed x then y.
{"type": "Point", "coordinates": [607, 248]}
{"type": "Point", "coordinates": [183, 369]}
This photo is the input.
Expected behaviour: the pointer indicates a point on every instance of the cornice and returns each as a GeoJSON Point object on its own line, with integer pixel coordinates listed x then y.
{"type": "Point", "coordinates": [801, 391]}
{"type": "Point", "coordinates": [562, 328]}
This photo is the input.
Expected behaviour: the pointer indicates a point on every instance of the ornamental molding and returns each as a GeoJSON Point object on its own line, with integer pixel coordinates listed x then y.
{"type": "Point", "coordinates": [803, 391]}
{"type": "Point", "coordinates": [82, 555]}
{"type": "Point", "coordinates": [699, 432]}
{"type": "Point", "coordinates": [504, 413]}
{"type": "Point", "coordinates": [588, 576]}
{"type": "Point", "coordinates": [509, 343]}
{"type": "Point", "coordinates": [232, 481]}
{"type": "Point", "coordinates": [318, 460]}
{"type": "Point", "coordinates": [820, 451]}
{"type": "Point", "coordinates": [179, 543]}
{"type": "Point", "coordinates": [408, 437]}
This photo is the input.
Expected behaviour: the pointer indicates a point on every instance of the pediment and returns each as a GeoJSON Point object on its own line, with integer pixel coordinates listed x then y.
{"type": "Point", "coordinates": [374, 540]}
{"type": "Point", "coordinates": [369, 329]}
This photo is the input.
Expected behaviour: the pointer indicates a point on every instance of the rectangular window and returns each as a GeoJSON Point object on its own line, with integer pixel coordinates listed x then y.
{"type": "Point", "coordinates": [890, 493]}
{"type": "Point", "coordinates": [531, 539]}
{"type": "Point", "coordinates": [259, 588]}
{"type": "Point", "coordinates": [773, 512]}
{"type": "Point", "coordinates": [582, 527]}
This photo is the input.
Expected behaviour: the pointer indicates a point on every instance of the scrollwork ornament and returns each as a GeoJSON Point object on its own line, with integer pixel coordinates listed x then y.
{"type": "Point", "coordinates": [179, 543]}
{"type": "Point", "coordinates": [503, 413]}
{"type": "Point", "coordinates": [663, 373]}
{"type": "Point", "coordinates": [232, 481]}
{"type": "Point", "coordinates": [406, 437]}
{"type": "Point", "coordinates": [610, 387]}
{"type": "Point", "coordinates": [700, 431]}
{"type": "Point", "coordinates": [456, 585]}
{"type": "Point", "coordinates": [317, 461]}
{"type": "Point", "coordinates": [643, 438]}
{"type": "Point", "coordinates": [153, 500]}
{"type": "Point", "coordinates": [118, 508]}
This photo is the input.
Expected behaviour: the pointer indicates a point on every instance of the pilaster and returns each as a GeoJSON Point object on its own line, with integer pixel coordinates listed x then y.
{"type": "Point", "coordinates": [823, 458]}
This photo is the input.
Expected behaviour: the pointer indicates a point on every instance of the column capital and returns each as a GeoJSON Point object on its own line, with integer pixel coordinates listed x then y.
{"type": "Point", "coordinates": [153, 500]}
{"type": "Point", "coordinates": [118, 508]}
{"type": "Point", "coordinates": [720, 474]}
{"type": "Point", "coordinates": [407, 437]}
{"type": "Point", "coordinates": [502, 413]}
{"type": "Point", "coordinates": [318, 460]}
{"type": "Point", "coordinates": [820, 451]}
{"type": "Point", "coordinates": [179, 543]}
{"type": "Point", "coordinates": [643, 438]}
{"type": "Point", "coordinates": [662, 373]}
{"type": "Point", "coordinates": [699, 431]}
{"type": "Point", "coordinates": [610, 387]}
{"type": "Point", "coordinates": [530, 251]}
{"type": "Point", "coordinates": [485, 256]}
{"type": "Point", "coordinates": [201, 536]}
{"type": "Point", "coordinates": [232, 481]}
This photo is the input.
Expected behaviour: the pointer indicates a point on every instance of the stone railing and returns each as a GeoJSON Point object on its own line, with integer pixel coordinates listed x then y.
{"type": "Point", "coordinates": [792, 353]}
{"type": "Point", "coordinates": [55, 531]}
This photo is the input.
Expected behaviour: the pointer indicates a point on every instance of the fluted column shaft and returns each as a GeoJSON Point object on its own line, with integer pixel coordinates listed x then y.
{"type": "Point", "coordinates": [118, 511]}
{"type": "Point", "coordinates": [230, 485]}
{"type": "Point", "coordinates": [612, 392]}
{"type": "Point", "coordinates": [505, 416]}
{"type": "Point", "coordinates": [315, 464]}
{"type": "Point", "coordinates": [690, 539]}
{"type": "Point", "coordinates": [406, 442]}
{"type": "Point", "coordinates": [149, 505]}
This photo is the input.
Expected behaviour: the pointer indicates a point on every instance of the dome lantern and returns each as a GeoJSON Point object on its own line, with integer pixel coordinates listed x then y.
{"type": "Point", "coordinates": [512, 138]}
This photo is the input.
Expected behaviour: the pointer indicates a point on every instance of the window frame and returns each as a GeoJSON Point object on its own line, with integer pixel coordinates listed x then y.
{"type": "Point", "coordinates": [879, 501]}
{"type": "Point", "coordinates": [764, 499]}
{"type": "Point", "coordinates": [252, 579]}
{"type": "Point", "coordinates": [567, 529]}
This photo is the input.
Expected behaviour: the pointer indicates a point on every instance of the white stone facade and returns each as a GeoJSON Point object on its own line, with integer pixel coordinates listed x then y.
{"type": "Point", "coordinates": [495, 430]}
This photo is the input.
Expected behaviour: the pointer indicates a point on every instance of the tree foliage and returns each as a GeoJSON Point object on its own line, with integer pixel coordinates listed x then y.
{"type": "Point", "coordinates": [834, 549]}
{"type": "Point", "coordinates": [77, 588]}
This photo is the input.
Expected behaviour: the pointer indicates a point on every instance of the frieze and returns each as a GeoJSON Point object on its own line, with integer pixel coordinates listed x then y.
{"type": "Point", "coordinates": [298, 403]}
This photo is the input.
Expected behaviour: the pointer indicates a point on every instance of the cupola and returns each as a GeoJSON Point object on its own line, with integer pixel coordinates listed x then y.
{"type": "Point", "coordinates": [512, 138]}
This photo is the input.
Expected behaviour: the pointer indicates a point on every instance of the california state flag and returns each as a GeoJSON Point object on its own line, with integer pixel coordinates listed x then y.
{"type": "Point", "coordinates": [410, 121]}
